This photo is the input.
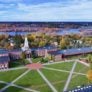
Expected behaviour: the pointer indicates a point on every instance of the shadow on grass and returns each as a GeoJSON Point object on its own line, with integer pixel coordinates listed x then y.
{"type": "Point", "coordinates": [15, 89]}
{"type": "Point", "coordinates": [18, 63]}
{"type": "Point", "coordinates": [33, 87]}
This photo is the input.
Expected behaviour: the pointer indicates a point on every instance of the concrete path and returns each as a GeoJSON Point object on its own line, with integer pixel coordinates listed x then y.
{"type": "Point", "coordinates": [58, 62]}
{"type": "Point", "coordinates": [55, 69]}
{"type": "Point", "coordinates": [3, 82]}
{"type": "Point", "coordinates": [3, 89]}
{"type": "Point", "coordinates": [61, 62]}
{"type": "Point", "coordinates": [34, 66]}
{"type": "Point", "coordinates": [42, 75]}
{"type": "Point", "coordinates": [70, 76]}
{"type": "Point", "coordinates": [62, 70]}
{"type": "Point", "coordinates": [10, 69]}
{"type": "Point", "coordinates": [48, 83]}
{"type": "Point", "coordinates": [86, 64]}
{"type": "Point", "coordinates": [17, 86]}
{"type": "Point", "coordinates": [21, 76]}
{"type": "Point", "coordinates": [30, 60]}
{"type": "Point", "coordinates": [27, 89]}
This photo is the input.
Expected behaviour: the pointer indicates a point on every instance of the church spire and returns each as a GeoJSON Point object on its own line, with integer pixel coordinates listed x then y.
{"type": "Point", "coordinates": [26, 45]}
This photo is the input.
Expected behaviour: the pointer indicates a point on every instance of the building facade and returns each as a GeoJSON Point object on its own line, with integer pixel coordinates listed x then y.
{"type": "Point", "coordinates": [61, 54]}
{"type": "Point", "coordinates": [4, 59]}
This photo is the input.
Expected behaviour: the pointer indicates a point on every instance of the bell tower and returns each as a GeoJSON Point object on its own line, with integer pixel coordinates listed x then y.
{"type": "Point", "coordinates": [26, 45]}
{"type": "Point", "coordinates": [26, 48]}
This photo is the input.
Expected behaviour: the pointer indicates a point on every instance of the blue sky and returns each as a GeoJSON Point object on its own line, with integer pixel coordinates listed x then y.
{"type": "Point", "coordinates": [45, 10]}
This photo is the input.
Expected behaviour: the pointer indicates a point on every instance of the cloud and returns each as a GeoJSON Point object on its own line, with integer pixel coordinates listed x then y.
{"type": "Point", "coordinates": [65, 10]}
{"type": "Point", "coordinates": [57, 11]}
{"type": "Point", "coordinates": [2, 13]}
{"type": "Point", "coordinates": [10, 1]}
{"type": "Point", "coordinates": [5, 6]}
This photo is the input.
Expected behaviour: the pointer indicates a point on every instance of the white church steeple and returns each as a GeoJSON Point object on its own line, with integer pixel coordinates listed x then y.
{"type": "Point", "coordinates": [26, 45]}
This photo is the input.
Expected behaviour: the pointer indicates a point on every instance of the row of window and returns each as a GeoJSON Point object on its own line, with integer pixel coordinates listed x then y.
{"type": "Point", "coordinates": [4, 66]}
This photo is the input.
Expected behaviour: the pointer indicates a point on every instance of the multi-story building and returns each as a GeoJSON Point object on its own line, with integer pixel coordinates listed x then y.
{"type": "Point", "coordinates": [4, 59]}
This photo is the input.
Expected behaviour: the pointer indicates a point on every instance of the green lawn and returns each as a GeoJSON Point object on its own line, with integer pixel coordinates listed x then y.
{"type": "Point", "coordinates": [14, 89]}
{"type": "Point", "coordinates": [77, 57]}
{"type": "Point", "coordinates": [33, 80]}
{"type": "Point", "coordinates": [2, 85]}
{"type": "Point", "coordinates": [81, 68]}
{"type": "Point", "coordinates": [15, 64]}
{"type": "Point", "coordinates": [77, 80]}
{"type": "Point", "coordinates": [18, 63]}
{"type": "Point", "coordinates": [9, 76]}
{"type": "Point", "coordinates": [62, 66]}
{"type": "Point", "coordinates": [58, 79]}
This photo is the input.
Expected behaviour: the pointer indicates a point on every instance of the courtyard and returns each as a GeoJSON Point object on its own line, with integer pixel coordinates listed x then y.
{"type": "Point", "coordinates": [50, 77]}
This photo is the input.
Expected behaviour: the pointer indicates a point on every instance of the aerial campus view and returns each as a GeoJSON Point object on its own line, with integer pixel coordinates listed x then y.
{"type": "Point", "coordinates": [45, 46]}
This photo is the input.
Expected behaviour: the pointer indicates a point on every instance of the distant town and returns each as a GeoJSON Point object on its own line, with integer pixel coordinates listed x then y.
{"type": "Point", "coordinates": [46, 32]}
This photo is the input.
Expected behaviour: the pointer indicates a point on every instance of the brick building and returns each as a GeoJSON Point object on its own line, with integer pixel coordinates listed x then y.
{"type": "Point", "coordinates": [61, 54]}
{"type": "Point", "coordinates": [4, 59]}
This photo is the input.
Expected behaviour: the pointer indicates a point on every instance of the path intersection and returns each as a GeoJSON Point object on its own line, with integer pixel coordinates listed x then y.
{"type": "Point", "coordinates": [37, 67]}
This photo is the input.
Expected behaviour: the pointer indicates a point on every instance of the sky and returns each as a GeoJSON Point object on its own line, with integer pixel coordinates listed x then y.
{"type": "Point", "coordinates": [46, 10]}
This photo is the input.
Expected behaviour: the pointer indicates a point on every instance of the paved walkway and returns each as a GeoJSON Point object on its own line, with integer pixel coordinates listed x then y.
{"type": "Point", "coordinates": [3, 89]}
{"type": "Point", "coordinates": [29, 59]}
{"type": "Point", "coordinates": [86, 64]}
{"type": "Point", "coordinates": [4, 82]}
{"type": "Point", "coordinates": [37, 66]}
{"type": "Point", "coordinates": [45, 79]}
{"type": "Point", "coordinates": [61, 62]}
{"type": "Point", "coordinates": [62, 70]}
{"type": "Point", "coordinates": [10, 69]}
{"type": "Point", "coordinates": [70, 76]}
{"type": "Point", "coordinates": [58, 62]}
{"type": "Point", "coordinates": [34, 66]}
{"type": "Point", "coordinates": [26, 89]}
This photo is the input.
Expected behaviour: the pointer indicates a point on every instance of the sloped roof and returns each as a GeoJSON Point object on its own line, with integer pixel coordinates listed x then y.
{"type": "Point", "coordinates": [77, 51]}
{"type": "Point", "coordinates": [41, 48]}
{"type": "Point", "coordinates": [3, 51]}
{"type": "Point", "coordinates": [4, 59]}
{"type": "Point", "coordinates": [73, 51]}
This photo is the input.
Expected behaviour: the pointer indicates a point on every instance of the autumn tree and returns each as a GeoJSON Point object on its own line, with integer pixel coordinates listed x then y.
{"type": "Point", "coordinates": [2, 37]}
{"type": "Point", "coordinates": [64, 43]}
{"type": "Point", "coordinates": [23, 57]}
{"type": "Point", "coordinates": [18, 40]}
{"type": "Point", "coordinates": [31, 37]}
{"type": "Point", "coordinates": [89, 58]}
{"type": "Point", "coordinates": [89, 73]}
{"type": "Point", "coordinates": [42, 43]}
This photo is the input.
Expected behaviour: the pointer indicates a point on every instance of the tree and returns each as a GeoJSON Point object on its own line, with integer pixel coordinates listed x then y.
{"type": "Point", "coordinates": [43, 35]}
{"type": "Point", "coordinates": [44, 60]}
{"type": "Point", "coordinates": [34, 44]}
{"type": "Point", "coordinates": [89, 58]}
{"type": "Point", "coordinates": [1, 37]}
{"type": "Point", "coordinates": [89, 73]}
{"type": "Point", "coordinates": [75, 37]}
{"type": "Point", "coordinates": [42, 43]}
{"type": "Point", "coordinates": [31, 37]}
{"type": "Point", "coordinates": [64, 43]}
{"type": "Point", "coordinates": [23, 57]}
{"type": "Point", "coordinates": [18, 40]}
